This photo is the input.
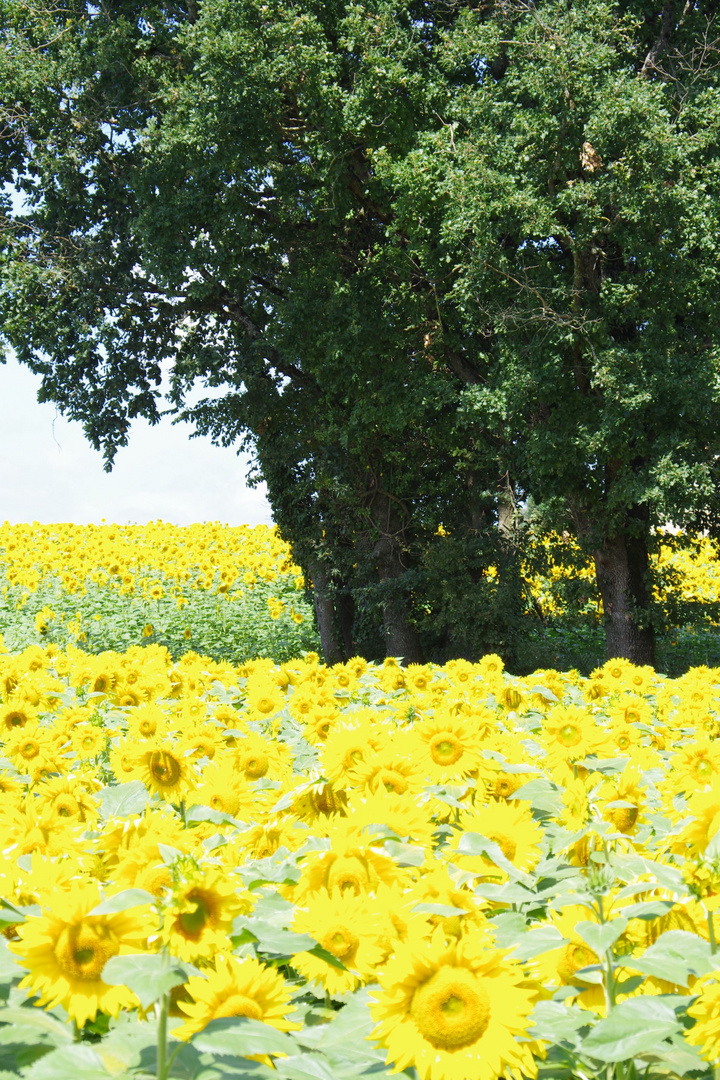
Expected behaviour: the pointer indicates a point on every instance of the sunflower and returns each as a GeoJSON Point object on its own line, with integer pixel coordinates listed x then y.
{"type": "Point", "coordinates": [66, 948]}
{"type": "Point", "coordinates": [222, 788]}
{"type": "Point", "coordinates": [67, 798]}
{"type": "Point", "coordinates": [449, 746]}
{"type": "Point", "coordinates": [88, 740]}
{"type": "Point", "coordinates": [256, 757]}
{"type": "Point", "coordinates": [511, 826]}
{"type": "Point", "coordinates": [571, 733]}
{"type": "Point", "coordinates": [32, 749]}
{"type": "Point", "coordinates": [404, 816]}
{"type": "Point", "coordinates": [164, 771]}
{"type": "Point", "coordinates": [236, 987]}
{"type": "Point", "coordinates": [705, 809]}
{"type": "Point", "coordinates": [437, 888]}
{"type": "Point", "coordinates": [147, 722]}
{"type": "Point", "coordinates": [694, 766]}
{"type": "Point", "coordinates": [348, 866]}
{"type": "Point", "coordinates": [560, 966]}
{"type": "Point", "coordinates": [391, 770]}
{"type": "Point", "coordinates": [348, 747]}
{"type": "Point", "coordinates": [198, 920]}
{"type": "Point", "coordinates": [705, 1011]}
{"type": "Point", "coordinates": [264, 696]}
{"type": "Point", "coordinates": [15, 715]}
{"type": "Point", "coordinates": [346, 926]}
{"type": "Point", "coordinates": [456, 1011]}
{"type": "Point", "coordinates": [626, 788]}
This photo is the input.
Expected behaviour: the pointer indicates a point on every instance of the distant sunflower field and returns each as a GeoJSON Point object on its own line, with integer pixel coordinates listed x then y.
{"type": "Point", "coordinates": [227, 592]}
{"type": "Point", "coordinates": [216, 866]}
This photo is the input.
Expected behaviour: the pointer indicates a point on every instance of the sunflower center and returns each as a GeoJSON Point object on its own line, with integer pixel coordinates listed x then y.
{"type": "Point", "coordinates": [165, 768]}
{"type": "Point", "coordinates": [340, 941]}
{"type": "Point", "coordinates": [355, 756]}
{"type": "Point", "coordinates": [506, 844]}
{"type": "Point", "coordinates": [348, 874]}
{"type": "Point", "coordinates": [66, 806]}
{"type": "Point", "coordinates": [623, 742]}
{"type": "Point", "coordinates": [504, 786]}
{"type": "Point", "coordinates": [16, 720]}
{"type": "Point", "coordinates": [573, 958]}
{"type": "Point", "coordinates": [255, 765]}
{"type": "Point", "coordinates": [82, 951]}
{"type": "Point", "coordinates": [29, 749]}
{"type": "Point", "coordinates": [238, 1005]}
{"type": "Point", "coordinates": [451, 1009]}
{"type": "Point", "coordinates": [569, 735]}
{"type": "Point", "coordinates": [624, 818]}
{"type": "Point", "coordinates": [193, 922]}
{"type": "Point", "coordinates": [265, 705]}
{"type": "Point", "coordinates": [225, 803]}
{"type": "Point", "coordinates": [147, 727]}
{"type": "Point", "coordinates": [445, 749]}
{"type": "Point", "coordinates": [393, 781]}
{"type": "Point", "coordinates": [703, 769]}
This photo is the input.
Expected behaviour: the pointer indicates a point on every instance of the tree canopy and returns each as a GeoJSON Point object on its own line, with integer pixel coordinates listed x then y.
{"type": "Point", "coordinates": [426, 259]}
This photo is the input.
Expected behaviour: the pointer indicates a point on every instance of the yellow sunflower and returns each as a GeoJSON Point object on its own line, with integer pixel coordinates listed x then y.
{"type": "Point", "coordinates": [510, 825]}
{"type": "Point", "coordinates": [571, 733]}
{"type": "Point", "coordinates": [347, 927]}
{"type": "Point", "coordinates": [198, 920]}
{"type": "Point", "coordinates": [457, 1011]}
{"type": "Point", "coordinates": [164, 771]}
{"type": "Point", "coordinates": [88, 741]}
{"type": "Point", "coordinates": [450, 747]}
{"type": "Point", "coordinates": [147, 722]}
{"type": "Point", "coordinates": [706, 1013]}
{"type": "Point", "coordinates": [235, 987]}
{"type": "Point", "coordinates": [16, 714]}
{"type": "Point", "coordinates": [256, 757]}
{"type": "Point", "coordinates": [223, 788]}
{"type": "Point", "coordinates": [390, 771]}
{"type": "Point", "coordinates": [694, 766]}
{"type": "Point", "coordinates": [66, 948]}
{"type": "Point", "coordinates": [348, 747]}
{"type": "Point", "coordinates": [348, 865]}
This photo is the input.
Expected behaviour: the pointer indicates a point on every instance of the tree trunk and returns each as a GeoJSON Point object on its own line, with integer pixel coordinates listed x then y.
{"type": "Point", "coordinates": [401, 638]}
{"type": "Point", "coordinates": [345, 608]}
{"type": "Point", "coordinates": [325, 614]}
{"type": "Point", "coordinates": [622, 566]}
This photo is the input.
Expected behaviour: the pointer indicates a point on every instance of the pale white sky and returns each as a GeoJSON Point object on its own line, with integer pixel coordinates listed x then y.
{"type": "Point", "coordinates": [49, 472]}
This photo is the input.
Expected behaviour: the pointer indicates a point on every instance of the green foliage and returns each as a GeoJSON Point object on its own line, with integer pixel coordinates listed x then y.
{"type": "Point", "coordinates": [101, 618]}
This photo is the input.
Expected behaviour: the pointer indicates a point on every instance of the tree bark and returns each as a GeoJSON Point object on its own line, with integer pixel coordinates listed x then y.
{"type": "Point", "coordinates": [325, 615]}
{"type": "Point", "coordinates": [622, 566]}
{"type": "Point", "coordinates": [401, 639]}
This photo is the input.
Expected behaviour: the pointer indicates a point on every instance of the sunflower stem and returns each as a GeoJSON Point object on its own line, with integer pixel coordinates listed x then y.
{"type": "Point", "coordinates": [711, 932]}
{"type": "Point", "coordinates": [162, 1062]}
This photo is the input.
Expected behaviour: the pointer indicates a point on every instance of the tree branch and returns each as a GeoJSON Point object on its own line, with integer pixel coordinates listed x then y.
{"type": "Point", "coordinates": [667, 25]}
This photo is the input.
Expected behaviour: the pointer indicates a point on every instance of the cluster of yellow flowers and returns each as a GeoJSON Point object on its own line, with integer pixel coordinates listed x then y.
{"type": "Point", "coordinates": [145, 559]}
{"type": "Point", "coordinates": [687, 569]}
{"type": "Point", "coordinates": [474, 846]}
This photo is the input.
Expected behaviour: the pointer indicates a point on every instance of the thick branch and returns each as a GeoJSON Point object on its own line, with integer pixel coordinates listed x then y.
{"type": "Point", "coordinates": [667, 25]}
{"type": "Point", "coordinates": [464, 370]}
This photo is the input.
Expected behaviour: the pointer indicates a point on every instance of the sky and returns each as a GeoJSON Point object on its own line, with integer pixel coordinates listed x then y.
{"type": "Point", "coordinates": [49, 472]}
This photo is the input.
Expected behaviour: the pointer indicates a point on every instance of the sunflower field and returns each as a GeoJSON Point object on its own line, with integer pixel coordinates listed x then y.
{"type": "Point", "coordinates": [228, 592]}
{"type": "Point", "coordinates": [288, 870]}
